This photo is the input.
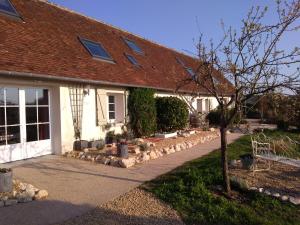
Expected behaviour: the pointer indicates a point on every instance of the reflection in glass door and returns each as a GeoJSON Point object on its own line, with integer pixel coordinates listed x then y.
{"type": "Point", "coordinates": [9, 116]}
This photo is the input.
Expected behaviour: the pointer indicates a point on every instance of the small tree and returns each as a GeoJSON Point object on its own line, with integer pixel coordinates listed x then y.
{"type": "Point", "coordinates": [142, 111]}
{"type": "Point", "coordinates": [172, 114]}
{"type": "Point", "coordinates": [252, 60]}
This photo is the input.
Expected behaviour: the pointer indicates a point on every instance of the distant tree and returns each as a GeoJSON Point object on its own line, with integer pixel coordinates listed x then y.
{"type": "Point", "coordinates": [252, 60]}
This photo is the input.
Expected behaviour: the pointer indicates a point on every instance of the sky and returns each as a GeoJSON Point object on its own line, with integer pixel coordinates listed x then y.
{"type": "Point", "coordinates": [174, 23]}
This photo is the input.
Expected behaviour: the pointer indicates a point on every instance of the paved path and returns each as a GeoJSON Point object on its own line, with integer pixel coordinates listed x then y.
{"type": "Point", "coordinates": [76, 187]}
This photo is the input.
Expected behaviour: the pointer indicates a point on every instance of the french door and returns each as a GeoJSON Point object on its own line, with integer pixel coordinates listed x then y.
{"type": "Point", "coordinates": [24, 123]}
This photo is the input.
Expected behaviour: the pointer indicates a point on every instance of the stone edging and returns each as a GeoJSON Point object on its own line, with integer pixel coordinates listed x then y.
{"type": "Point", "coordinates": [141, 156]}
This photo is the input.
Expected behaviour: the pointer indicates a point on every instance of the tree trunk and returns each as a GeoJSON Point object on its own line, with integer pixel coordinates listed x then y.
{"type": "Point", "coordinates": [224, 159]}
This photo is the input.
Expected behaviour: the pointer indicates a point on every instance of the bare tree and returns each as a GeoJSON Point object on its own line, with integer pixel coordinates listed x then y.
{"type": "Point", "coordinates": [251, 59]}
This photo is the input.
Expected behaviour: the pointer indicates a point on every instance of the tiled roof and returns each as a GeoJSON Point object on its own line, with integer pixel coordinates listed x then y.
{"type": "Point", "coordinates": [45, 41]}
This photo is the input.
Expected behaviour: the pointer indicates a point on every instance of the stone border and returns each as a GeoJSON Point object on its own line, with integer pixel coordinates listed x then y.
{"type": "Point", "coordinates": [141, 156]}
{"type": "Point", "coordinates": [22, 193]}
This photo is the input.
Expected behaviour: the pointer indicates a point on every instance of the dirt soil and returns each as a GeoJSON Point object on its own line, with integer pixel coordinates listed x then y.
{"type": "Point", "coordinates": [281, 178]}
{"type": "Point", "coordinates": [137, 207]}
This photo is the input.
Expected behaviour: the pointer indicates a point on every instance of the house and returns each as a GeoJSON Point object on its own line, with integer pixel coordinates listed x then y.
{"type": "Point", "coordinates": [62, 73]}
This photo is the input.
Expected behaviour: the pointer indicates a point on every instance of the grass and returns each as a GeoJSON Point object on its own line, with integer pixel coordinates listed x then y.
{"type": "Point", "coordinates": [188, 189]}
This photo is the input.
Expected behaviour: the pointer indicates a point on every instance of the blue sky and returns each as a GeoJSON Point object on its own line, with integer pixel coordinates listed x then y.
{"type": "Point", "coordinates": [173, 23]}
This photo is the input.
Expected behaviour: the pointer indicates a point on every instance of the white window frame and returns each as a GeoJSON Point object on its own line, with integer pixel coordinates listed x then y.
{"type": "Point", "coordinates": [108, 111]}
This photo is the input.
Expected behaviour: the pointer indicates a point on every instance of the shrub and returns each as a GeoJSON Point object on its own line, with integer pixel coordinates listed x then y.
{"type": "Point", "coordinates": [214, 117]}
{"type": "Point", "coordinates": [172, 114]}
{"type": "Point", "coordinates": [142, 112]}
{"type": "Point", "coordinates": [282, 125]}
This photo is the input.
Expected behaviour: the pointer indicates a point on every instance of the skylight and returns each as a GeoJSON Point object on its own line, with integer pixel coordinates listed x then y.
{"type": "Point", "coordinates": [191, 72]}
{"type": "Point", "coordinates": [132, 60]}
{"type": "Point", "coordinates": [7, 8]}
{"type": "Point", "coordinates": [180, 61]}
{"type": "Point", "coordinates": [96, 49]}
{"type": "Point", "coordinates": [133, 46]}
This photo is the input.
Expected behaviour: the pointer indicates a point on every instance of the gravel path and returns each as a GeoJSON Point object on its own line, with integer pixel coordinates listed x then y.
{"type": "Point", "coordinates": [136, 207]}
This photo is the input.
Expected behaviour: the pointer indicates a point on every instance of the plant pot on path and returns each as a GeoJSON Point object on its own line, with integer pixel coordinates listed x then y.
{"type": "Point", "coordinates": [122, 149]}
{"type": "Point", "coordinates": [247, 161]}
{"type": "Point", "coordinates": [80, 145]}
{"type": "Point", "coordinates": [6, 180]}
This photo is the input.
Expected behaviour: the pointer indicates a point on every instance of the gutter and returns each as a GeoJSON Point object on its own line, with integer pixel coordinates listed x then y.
{"type": "Point", "coordinates": [15, 74]}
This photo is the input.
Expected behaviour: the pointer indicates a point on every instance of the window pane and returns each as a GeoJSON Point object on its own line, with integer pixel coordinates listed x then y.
{"type": "Point", "coordinates": [2, 136]}
{"type": "Point", "coordinates": [1, 96]}
{"type": "Point", "coordinates": [133, 46]}
{"type": "Point", "coordinates": [13, 135]}
{"type": "Point", "coordinates": [30, 96]}
{"type": "Point", "coordinates": [44, 133]}
{"type": "Point", "coordinates": [31, 131]}
{"type": "Point", "coordinates": [96, 49]}
{"type": "Point", "coordinates": [111, 99]}
{"type": "Point", "coordinates": [43, 114]}
{"type": "Point", "coordinates": [31, 115]}
{"type": "Point", "coordinates": [12, 96]}
{"type": "Point", "coordinates": [6, 6]}
{"type": "Point", "coordinates": [42, 96]}
{"type": "Point", "coordinates": [2, 116]}
{"type": "Point", "coordinates": [111, 107]}
{"type": "Point", "coordinates": [132, 60]}
{"type": "Point", "coordinates": [12, 115]}
{"type": "Point", "coordinates": [112, 115]}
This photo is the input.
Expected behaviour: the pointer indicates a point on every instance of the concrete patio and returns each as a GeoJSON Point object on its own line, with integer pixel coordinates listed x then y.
{"type": "Point", "coordinates": [76, 187]}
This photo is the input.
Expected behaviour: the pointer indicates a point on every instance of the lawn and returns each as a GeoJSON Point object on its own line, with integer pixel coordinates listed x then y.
{"type": "Point", "coordinates": [189, 190]}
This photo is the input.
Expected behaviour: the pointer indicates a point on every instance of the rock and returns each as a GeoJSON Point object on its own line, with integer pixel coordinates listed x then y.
{"type": "Point", "coordinates": [80, 154]}
{"type": "Point", "coordinates": [171, 150]}
{"type": "Point", "coordinates": [89, 157]}
{"type": "Point", "coordinates": [284, 197]}
{"type": "Point", "coordinates": [22, 186]}
{"type": "Point", "coordinates": [239, 182]}
{"type": "Point", "coordinates": [153, 155]}
{"type": "Point", "coordinates": [114, 162]}
{"type": "Point", "coordinates": [42, 194]}
{"type": "Point", "coordinates": [4, 198]}
{"type": "Point", "coordinates": [190, 144]}
{"type": "Point", "coordinates": [138, 141]}
{"type": "Point", "coordinates": [166, 151]}
{"type": "Point", "coordinates": [228, 132]}
{"type": "Point", "coordinates": [276, 195]}
{"type": "Point", "coordinates": [98, 158]}
{"type": "Point", "coordinates": [24, 198]}
{"type": "Point", "coordinates": [105, 161]}
{"type": "Point", "coordinates": [159, 154]}
{"type": "Point", "coordinates": [126, 163]}
{"type": "Point", "coordinates": [260, 190]}
{"type": "Point", "coordinates": [295, 201]}
{"type": "Point", "coordinates": [86, 150]}
{"type": "Point", "coordinates": [267, 192]}
{"type": "Point", "coordinates": [29, 191]}
{"type": "Point", "coordinates": [177, 148]}
{"type": "Point", "coordinates": [145, 157]}
{"type": "Point", "coordinates": [152, 144]}
{"type": "Point", "coordinates": [137, 150]}
{"type": "Point", "coordinates": [253, 189]}
{"type": "Point", "coordinates": [10, 202]}
{"type": "Point", "coordinates": [212, 129]}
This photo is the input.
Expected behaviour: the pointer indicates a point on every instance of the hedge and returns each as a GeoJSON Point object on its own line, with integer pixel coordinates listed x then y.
{"type": "Point", "coordinates": [142, 112]}
{"type": "Point", "coordinates": [172, 114]}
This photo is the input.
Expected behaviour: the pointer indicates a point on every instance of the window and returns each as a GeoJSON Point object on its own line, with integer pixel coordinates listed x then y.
{"type": "Point", "coordinates": [111, 107]}
{"type": "Point", "coordinates": [96, 49]}
{"type": "Point", "coordinates": [180, 61]}
{"type": "Point", "coordinates": [191, 72]}
{"type": "Point", "coordinates": [37, 114]}
{"type": "Point", "coordinates": [9, 116]}
{"type": "Point", "coordinates": [7, 8]}
{"type": "Point", "coordinates": [133, 46]}
{"type": "Point", "coordinates": [132, 60]}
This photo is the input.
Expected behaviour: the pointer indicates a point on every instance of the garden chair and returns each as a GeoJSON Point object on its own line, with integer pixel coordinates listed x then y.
{"type": "Point", "coordinates": [262, 152]}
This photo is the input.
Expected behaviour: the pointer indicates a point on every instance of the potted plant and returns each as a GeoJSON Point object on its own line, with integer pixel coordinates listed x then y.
{"type": "Point", "coordinates": [6, 183]}
{"type": "Point", "coordinates": [110, 137]}
{"type": "Point", "coordinates": [98, 144]}
{"type": "Point", "coordinates": [247, 161]}
{"type": "Point", "coordinates": [79, 145]}
{"type": "Point", "coordinates": [122, 148]}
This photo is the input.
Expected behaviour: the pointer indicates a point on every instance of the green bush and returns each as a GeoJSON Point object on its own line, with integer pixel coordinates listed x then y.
{"type": "Point", "coordinates": [214, 117]}
{"type": "Point", "coordinates": [172, 114]}
{"type": "Point", "coordinates": [282, 125]}
{"type": "Point", "coordinates": [142, 112]}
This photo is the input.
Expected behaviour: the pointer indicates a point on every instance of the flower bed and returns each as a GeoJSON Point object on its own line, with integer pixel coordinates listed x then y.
{"type": "Point", "coordinates": [22, 193]}
{"type": "Point", "coordinates": [142, 150]}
